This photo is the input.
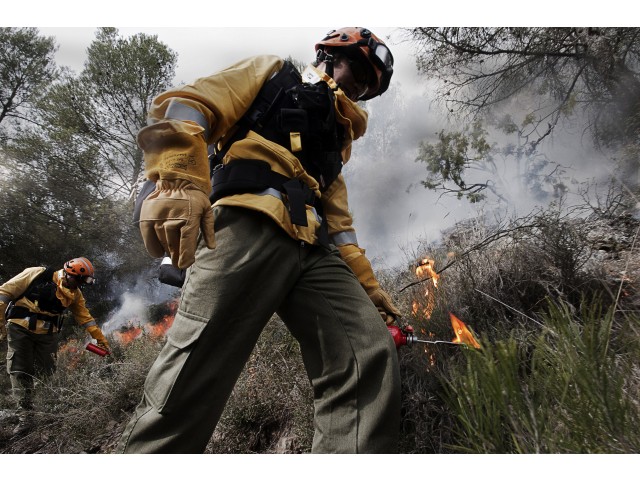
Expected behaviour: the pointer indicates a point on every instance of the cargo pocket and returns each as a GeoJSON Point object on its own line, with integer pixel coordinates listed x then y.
{"type": "Point", "coordinates": [169, 367]}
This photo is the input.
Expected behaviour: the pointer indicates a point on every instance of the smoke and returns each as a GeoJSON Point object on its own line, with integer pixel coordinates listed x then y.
{"type": "Point", "coordinates": [135, 301]}
{"type": "Point", "coordinates": [392, 211]}
{"type": "Point", "coordinates": [394, 214]}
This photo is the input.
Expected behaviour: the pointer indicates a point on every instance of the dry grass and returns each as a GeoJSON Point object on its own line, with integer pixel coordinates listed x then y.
{"type": "Point", "coordinates": [530, 279]}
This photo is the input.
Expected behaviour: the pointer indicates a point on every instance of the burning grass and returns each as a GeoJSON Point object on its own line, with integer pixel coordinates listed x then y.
{"type": "Point", "coordinates": [558, 368]}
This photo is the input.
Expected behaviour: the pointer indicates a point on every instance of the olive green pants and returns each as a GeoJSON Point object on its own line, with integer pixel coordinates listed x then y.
{"type": "Point", "coordinates": [28, 355]}
{"type": "Point", "coordinates": [229, 295]}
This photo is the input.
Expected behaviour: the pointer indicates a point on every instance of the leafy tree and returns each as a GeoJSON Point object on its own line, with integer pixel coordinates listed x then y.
{"type": "Point", "coordinates": [27, 67]}
{"type": "Point", "coordinates": [586, 74]}
{"type": "Point", "coordinates": [107, 104]}
{"type": "Point", "coordinates": [466, 164]}
{"type": "Point", "coordinates": [67, 183]}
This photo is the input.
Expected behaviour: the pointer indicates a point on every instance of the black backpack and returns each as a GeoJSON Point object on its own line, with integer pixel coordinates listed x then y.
{"type": "Point", "coordinates": [41, 290]}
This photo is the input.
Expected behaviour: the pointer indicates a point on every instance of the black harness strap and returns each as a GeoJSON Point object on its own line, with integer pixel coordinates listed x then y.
{"type": "Point", "coordinates": [261, 110]}
{"type": "Point", "coordinates": [22, 312]}
{"type": "Point", "coordinates": [253, 176]}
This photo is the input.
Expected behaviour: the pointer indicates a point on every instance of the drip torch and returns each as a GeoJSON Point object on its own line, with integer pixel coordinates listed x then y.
{"type": "Point", "coordinates": [96, 349]}
{"type": "Point", "coordinates": [406, 336]}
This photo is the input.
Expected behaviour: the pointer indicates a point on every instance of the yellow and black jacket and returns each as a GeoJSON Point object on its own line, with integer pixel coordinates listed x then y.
{"type": "Point", "coordinates": [41, 312]}
{"type": "Point", "coordinates": [183, 122]}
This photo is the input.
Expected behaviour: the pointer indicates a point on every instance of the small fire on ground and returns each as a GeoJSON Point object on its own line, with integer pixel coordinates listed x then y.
{"type": "Point", "coordinates": [424, 305]}
{"type": "Point", "coordinates": [155, 329]}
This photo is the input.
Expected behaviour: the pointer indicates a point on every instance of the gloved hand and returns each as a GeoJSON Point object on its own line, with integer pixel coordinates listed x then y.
{"type": "Point", "coordinates": [97, 334]}
{"type": "Point", "coordinates": [171, 218]}
{"type": "Point", "coordinates": [105, 346]}
{"type": "Point", "coordinates": [387, 309]}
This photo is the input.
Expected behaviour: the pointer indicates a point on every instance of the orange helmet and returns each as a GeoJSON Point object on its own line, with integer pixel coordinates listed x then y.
{"type": "Point", "coordinates": [80, 267]}
{"type": "Point", "coordinates": [360, 43]}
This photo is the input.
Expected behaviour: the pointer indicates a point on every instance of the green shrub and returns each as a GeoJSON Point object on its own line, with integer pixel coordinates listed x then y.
{"type": "Point", "coordinates": [568, 390]}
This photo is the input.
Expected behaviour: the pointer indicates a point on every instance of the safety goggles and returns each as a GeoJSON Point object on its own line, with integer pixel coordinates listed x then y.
{"type": "Point", "coordinates": [379, 54]}
{"type": "Point", "coordinates": [81, 280]}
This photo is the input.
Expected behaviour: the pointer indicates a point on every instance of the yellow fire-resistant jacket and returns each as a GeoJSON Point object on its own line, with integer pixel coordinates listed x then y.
{"type": "Point", "coordinates": [71, 299]}
{"type": "Point", "coordinates": [185, 120]}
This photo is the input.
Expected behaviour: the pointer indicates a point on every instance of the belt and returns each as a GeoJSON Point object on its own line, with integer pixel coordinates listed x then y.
{"type": "Point", "coordinates": [252, 176]}
{"type": "Point", "coordinates": [33, 317]}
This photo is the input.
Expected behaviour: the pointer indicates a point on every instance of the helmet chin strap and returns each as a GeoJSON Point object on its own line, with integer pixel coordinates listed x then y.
{"type": "Point", "coordinates": [327, 58]}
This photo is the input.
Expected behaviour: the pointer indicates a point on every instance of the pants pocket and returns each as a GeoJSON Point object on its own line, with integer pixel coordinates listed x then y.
{"type": "Point", "coordinates": [170, 365]}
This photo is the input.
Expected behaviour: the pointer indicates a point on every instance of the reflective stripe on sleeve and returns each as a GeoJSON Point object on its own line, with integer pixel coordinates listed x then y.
{"type": "Point", "coordinates": [180, 111]}
{"type": "Point", "coordinates": [4, 298]}
{"type": "Point", "coordinates": [344, 238]}
{"type": "Point", "coordinates": [91, 323]}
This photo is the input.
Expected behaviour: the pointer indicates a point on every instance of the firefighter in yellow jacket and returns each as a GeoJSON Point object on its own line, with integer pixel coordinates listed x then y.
{"type": "Point", "coordinates": [284, 242]}
{"type": "Point", "coordinates": [31, 308]}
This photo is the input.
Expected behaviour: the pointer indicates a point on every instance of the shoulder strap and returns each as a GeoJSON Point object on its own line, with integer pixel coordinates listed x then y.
{"type": "Point", "coordinates": [261, 109]}
{"type": "Point", "coordinates": [38, 280]}
{"type": "Point", "coordinates": [42, 277]}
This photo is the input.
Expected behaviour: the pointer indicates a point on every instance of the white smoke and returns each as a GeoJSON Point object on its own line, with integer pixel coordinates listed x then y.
{"type": "Point", "coordinates": [132, 312]}
{"type": "Point", "coordinates": [134, 303]}
{"type": "Point", "coordinates": [394, 214]}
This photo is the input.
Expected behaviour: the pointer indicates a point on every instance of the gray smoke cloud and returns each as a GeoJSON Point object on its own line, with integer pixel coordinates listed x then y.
{"type": "Point", "coordinates": [394, 214]}
{"type": "Point", "coordinates": [134, 303]}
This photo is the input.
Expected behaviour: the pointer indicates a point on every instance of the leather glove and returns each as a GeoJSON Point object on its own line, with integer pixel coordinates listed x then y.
{"type": "Point", "coordinates": [355, 257]}
{"type": "Point", "coordinates": [387, 309]}
{"type": "Point", "coordinates": [171, 218]}
{"type": "Point", "coordinates": [97, 334]}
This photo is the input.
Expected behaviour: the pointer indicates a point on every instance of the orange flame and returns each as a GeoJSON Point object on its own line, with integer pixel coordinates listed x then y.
{"type": "Point", "coordinates": [155, 330]}
{"type": "Point", "coordinates": [128, 334]}
{"type": "Point", "coordinates": [425, 269]}
{"type": "Point", "coordinates": [463, 334]}
{"type": "Point", "coordinates": [159, 329]}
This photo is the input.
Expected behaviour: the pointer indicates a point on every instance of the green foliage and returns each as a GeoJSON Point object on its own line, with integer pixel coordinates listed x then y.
{"type": "Point", "coordinates": [67, 183]}
{"type": "Point", "coordinates": [466, 164]}
{"type": "Point", "coordinates": [27, 67]}
{"type": "Point", "coordinates": [546, 75]}
{"type": "Point", "coordinates": [450, 158]}
{"type": "Point", "coordinates": [567, 390]}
